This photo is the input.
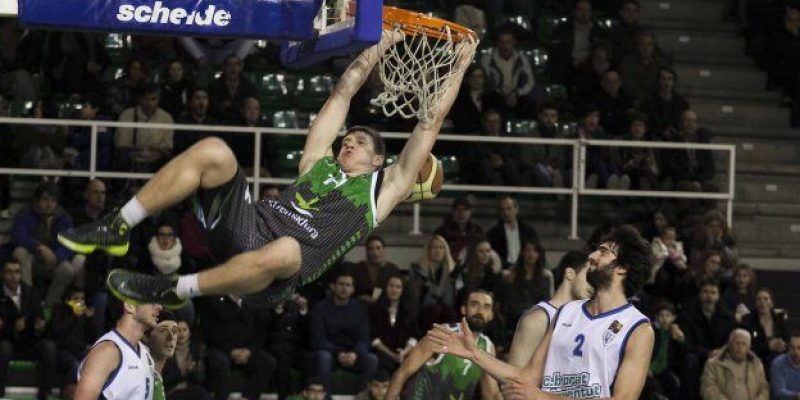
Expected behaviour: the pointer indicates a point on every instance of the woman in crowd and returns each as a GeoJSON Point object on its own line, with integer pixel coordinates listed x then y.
{"type": "Point", "coordinates": [740, 297]}
{"type": "Point", "coordinates": [431, 287]}
{"type": "Point", "coordinates": [527, 283]}
{"type": "Point", "coordinates": [184, 373]}
{"type": "Point", "coordinates": [175, 86]}
{"type": "Point", "coordinates": [767, 327]}
{"type": "Point", "coordinates": [392, 325]}
{"type": "Point", "coordinates": [715, 234]}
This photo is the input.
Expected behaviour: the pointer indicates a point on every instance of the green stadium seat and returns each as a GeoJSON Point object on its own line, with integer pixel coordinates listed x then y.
{"type": "Point", "coordinates": [313, 91]}
{"type": "Point", "coordinates": [546, 25]}
{"type": "Point", "coordinates": [205, 78]}
{"type": "Point", "coordinates": [538, 58]}
{"type": "Point", "coordinates": [22, 366]}
{"type": "Point", "coordinates": [520, 21]}
{"type": "Point", "coordinates": [556, 93]}
{"type": "Point", "coordinates": [66, 109]}
{"type": "Point", "coordinates": [19, 108]}
{"type": "Point", "coordinates": [285, 119]}
{"type": "Point", "coordinates": [520, 127]}
{"type": "Point", "coordinates": [113, 72]}
{"type": "Point", "coordinates": [273, 90]}
{"type": "Point", "coordinates": [450, 166]}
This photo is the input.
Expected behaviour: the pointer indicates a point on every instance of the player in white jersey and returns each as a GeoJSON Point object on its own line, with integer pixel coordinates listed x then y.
{"type": "Point", "coordinates": [595, 349]}
{"type": "Point", "coordinates": [532, 326]}
{"type": "Point", "coordinates": [119, 366]}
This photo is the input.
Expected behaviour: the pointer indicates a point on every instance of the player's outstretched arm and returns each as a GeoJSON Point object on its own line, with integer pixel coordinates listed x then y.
{"type": "Point", "coordinates": [331, 117]}
{"type": "Point", "coordinates": [421, 353]}
{"type": "Point", "coordinates": [401, 176]}
{"type": "Point", "coordinates": [100, 363]}
{"type": "Point", "coordinates": [489, 388]}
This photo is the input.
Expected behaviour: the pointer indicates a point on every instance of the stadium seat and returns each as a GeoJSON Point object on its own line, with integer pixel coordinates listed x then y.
{"type": "Point", "coordinates": [205, 78]}
{"type": "Point", "coordinates": [546, 25]}
{"type": "Point", "coordinates": [538, 58]}
{"type": "Point", "coordinates": [520, 23]}
{"type": "Point", "coordinates": [19, 108]}
{"type": "Point", "coordinates": [113, 72]}
{"type": "Point", "coordinates": [66, 109]}
{"type": "Point", "coordinates": [450, 166]}
{"type": "Point", "coordinates": [313, 91]}
{"type": "Point", "coordinates": [520, 127]}
{"type": "Point", "coordinates": [556, 93]}
{"type": "Point", "coordinates": [285, 119]}
{"type": "Point", "coordinates": [273, 90]}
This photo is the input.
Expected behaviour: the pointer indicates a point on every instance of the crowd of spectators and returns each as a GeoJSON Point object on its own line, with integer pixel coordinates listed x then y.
{"type": "Point", "coordinates": [718, 333]}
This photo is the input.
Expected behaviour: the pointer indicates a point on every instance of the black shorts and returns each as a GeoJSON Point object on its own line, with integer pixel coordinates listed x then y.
{"type": "Point", "coordinates": [228, 215]}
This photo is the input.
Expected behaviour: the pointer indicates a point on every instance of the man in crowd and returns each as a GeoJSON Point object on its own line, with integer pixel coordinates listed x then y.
{"type": "Point", "coordinates": [144, 149]}
{"type": "Point", "coordinates": [507, 236]}
{"type": "Point", "coordinates": [735, 373]}
{"type": "Point", "coordinates": [196, 114]}
{"type": "Point", "coordinates": [370, 275]}
{"type": "Point", "coordinates": [340, 333]}
{"type": "Point", "coordinates": [458, 229]}
{"type": "Point", "coordinates": [510, 73]}
{"type": "Point", "coordinates": [785, 371]}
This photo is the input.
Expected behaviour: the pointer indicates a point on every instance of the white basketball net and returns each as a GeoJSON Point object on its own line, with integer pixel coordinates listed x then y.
{"type": "Point", "coordinates": [415, 73]}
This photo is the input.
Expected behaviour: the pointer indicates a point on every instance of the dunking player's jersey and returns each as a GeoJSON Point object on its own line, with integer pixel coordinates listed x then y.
{"type": "Point", "coordinates": [447, 377]}
{"type": "Point", "coordinates": [134, 376]}
{"type": "Point", "coordinates": [585, 351]}
{"type": "Point", "coordinates": [326, 211]}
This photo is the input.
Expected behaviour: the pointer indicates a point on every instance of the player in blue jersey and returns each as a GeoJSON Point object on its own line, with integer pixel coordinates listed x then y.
{"type": "Point", "coordinates": [599, 348]}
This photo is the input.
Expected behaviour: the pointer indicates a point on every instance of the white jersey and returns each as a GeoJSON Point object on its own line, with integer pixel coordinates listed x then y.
{"type": "Point", "coordinates": [548, 309]}
{"type": "Point", "coordinates": [134, 377]}
{"type": "Point", "coordinates": [586, 351]}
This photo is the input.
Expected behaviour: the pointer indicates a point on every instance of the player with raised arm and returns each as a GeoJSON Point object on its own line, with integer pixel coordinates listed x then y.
{"type": "Point", "coordinates": [444, 376]}
{"type": "Point", "coordinates": [533, 325]}
{"type": "Point", "coordinates": [119, 365]}
{"type": "Point", "coordinates": [274, 246]}
{"type": "Point", "coordinates": [598, 348]}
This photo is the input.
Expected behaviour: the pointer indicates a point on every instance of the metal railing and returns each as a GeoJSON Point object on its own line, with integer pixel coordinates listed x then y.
{"type": "Point", "coordinates": [579, 147]}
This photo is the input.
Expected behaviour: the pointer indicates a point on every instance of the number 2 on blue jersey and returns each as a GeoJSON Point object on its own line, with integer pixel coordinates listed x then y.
{"type": "Point", "coordinates": [579, 347]}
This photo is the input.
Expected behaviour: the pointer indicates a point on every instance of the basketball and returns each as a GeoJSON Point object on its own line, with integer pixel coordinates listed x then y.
{"type": "Point", "coordinates": [429, 180]}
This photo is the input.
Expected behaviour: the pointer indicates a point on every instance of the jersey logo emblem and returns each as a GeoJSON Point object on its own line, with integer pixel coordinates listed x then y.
{"type": "Point", "coordinates": [304, 206]}
{"type": "Point", "coordinates": [336, 181]}
{"type": "Point", "coordinates": [611, 332]}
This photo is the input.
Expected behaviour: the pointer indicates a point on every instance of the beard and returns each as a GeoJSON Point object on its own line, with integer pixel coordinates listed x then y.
{"type": "Point", "coordinates": [476, 323]}
{"type": "Point", "coordinates": [600, 277]}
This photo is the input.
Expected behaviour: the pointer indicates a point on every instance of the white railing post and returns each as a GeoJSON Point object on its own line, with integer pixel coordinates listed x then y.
{"type": "Point", "coordinates": [576, 177]}
{"type": "Point", "coordinates": [731, 185]}
{"type": "Point", "coordinates": [257, 167]}
{"type": "Point", "coordinates": [93, 152]}
{"type": "Point", "coordinates": [415, 230]}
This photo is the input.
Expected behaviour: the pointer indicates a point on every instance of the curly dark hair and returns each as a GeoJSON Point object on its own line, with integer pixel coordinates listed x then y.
{"type": "Point", "coordinates": [634, 254]}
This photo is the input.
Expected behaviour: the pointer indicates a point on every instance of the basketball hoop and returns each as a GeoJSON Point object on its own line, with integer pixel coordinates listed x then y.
{"type": "Point", "coordinates": [416, 70]}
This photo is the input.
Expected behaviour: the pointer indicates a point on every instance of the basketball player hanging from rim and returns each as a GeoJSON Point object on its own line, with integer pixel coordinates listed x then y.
{"type": "Point", "coordinates": [598, 348]}
{"type": "Point", "coordinates": [272, 247]}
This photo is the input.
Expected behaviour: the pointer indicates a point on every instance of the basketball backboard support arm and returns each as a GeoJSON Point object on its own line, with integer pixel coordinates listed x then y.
{"type": "Point", "coordinates": [362, 31]}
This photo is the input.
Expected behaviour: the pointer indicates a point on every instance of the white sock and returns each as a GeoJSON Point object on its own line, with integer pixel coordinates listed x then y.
{"type": "Point", "coordinates": [133, 212]}
{"type": "Point", "coordinates": [188, 286]}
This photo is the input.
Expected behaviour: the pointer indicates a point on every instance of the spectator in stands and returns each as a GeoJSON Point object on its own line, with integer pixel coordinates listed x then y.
{"type": "Point", "coordinates": [288, 341]}
{"type": "Point", "coordinates": [615, 105]}
{"type": "Point", "coordinates": [123, 92]}
{"type": "Point", "coordinates": [603, 167]}
{"type": "Point", "coordinates": [431, 288]}
{"type": "Point", "coordinates": [97, 264]}
{"type": "Point", "coordinates": [736, 373]}
{"type": "Point", "coordinates": [144, 149]}
{"type": "Point", "coordinates": [269, 192]}
{"type": "Point", "coordinates": [340, 333]}
{"type": "Point", "coordinates": [668, 350]}
{"type": "Point", "coordinates": [473, 99]}
{"type": "Point", "coordinates": [376, 387]}
{"type": "Point", "coordinates": [785, 371]}
{"type": "Point", "coordinates": [40, 145]}
{"type": "Point", "coordinates": [22, 328]}
{"type": "Point", "coordinates": [156, 50]}
{"type": "Point", "coordinates": [470, 14]}
{"type": "Point", "coordinates": [238, 346]}
{"type": "Point", "coordinates": [527, 283]}
{"type": "Point", "coordinates": [184, 373]}
{"type": "Point", "coordinates": [242, 144]}
{"type": "Point", "coordinates": [195, 114]}
{"type": "Point", "coordinates": [640, 71]}
{"type": "Point", "coordinates": [69, 332]}
{"type": "Point", "coordinates": [458, 228]}
{"type": "Point", "coordinates": [33, 235]}
{"type": "Point", "coordinates": [781, 60]}
{"type": "Point", "coordinates": [589, 74]}
{"type": "Point", "coordinates": [74, 61]}
{"type": "Point", "coordinates": [706, 324]}
{"type": "Point", "coordinates": [572, 42]}
{"type": "Point", "coordinates": [664, 107]}
{"type": "Point", "coordinates": [715, 235]}
{"type": "Point", "coordinates": [370, 275]}
{"type": "Point", "coordinates": [16, 61]}
{"type": "Point", "coordinates": [542, 165]}
{"type": "Point", "coordinates": [506, 237]}
{"type": "Point", "coordinates": [639, 163]}
{"type": "Point", "coordinates": [392, 324]}
{"type": "Point", "coordinates": [688, 282]}
{"type": "Point", "coordinates": [480, 270]}
{"type": "Point", "coordinates": [78, 151]}
{"type": "Point", "coordinates": [626, 30]}
{"type": "Point", "coordinates": [175, 88]}
{"type": "Point", "coordinates": [491, 163]}
{"type": "Point", "coordinates": [740, 297]}
{"type": "Point", "coordinates": [510, 74]}
{"type": "Point", "coordinates": [314, 389]}
{"type": "Point", "coordinates": [668, 249]}
{"type": "Point", "coordinates": [768, 327]}
{"type": "Point", "coordinates": [690, 169]}
{"type": "Point", "coordinates": [228, 91]}
{"type": "Point", "coordinates": [165, 256]}
{"type": "Point", "coordinates": [207, 52]}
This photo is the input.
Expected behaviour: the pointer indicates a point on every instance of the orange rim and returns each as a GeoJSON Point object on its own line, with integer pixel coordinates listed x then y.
{"type": "Point", "coordinates": [414, 23]}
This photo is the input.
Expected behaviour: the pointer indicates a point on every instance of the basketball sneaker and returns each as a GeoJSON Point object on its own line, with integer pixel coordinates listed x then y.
{"type": "Point", "coordinates": [136, 288]}
{"type": "Point", "coordinates": [110, 234]}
